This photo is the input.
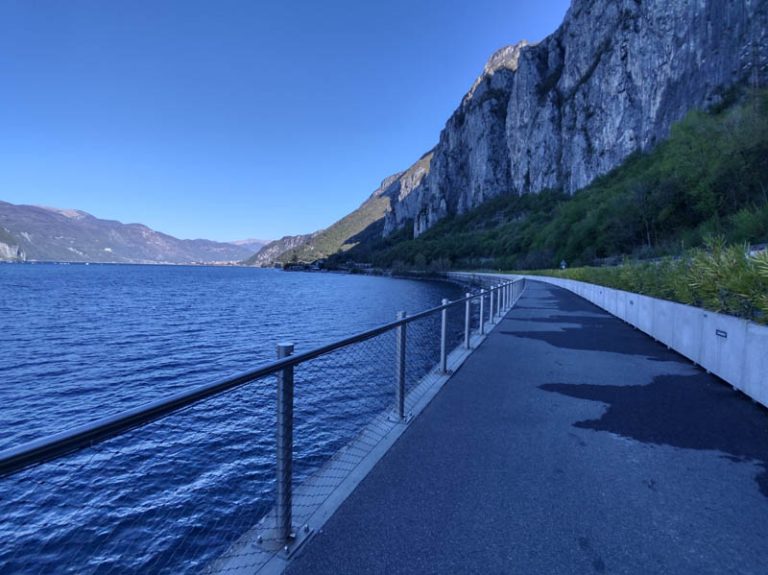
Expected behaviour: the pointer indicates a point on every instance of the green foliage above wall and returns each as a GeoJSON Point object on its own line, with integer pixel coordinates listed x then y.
{"type": "Point", "coordinates": [722, 278]}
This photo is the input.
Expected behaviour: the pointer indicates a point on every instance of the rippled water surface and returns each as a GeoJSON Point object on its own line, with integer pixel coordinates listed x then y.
{"type": "Point", "coordinates": [78, 343]}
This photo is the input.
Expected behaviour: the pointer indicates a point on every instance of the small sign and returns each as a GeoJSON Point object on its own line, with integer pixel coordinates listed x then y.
{"type": "Point", "coordinates": [721, 333]}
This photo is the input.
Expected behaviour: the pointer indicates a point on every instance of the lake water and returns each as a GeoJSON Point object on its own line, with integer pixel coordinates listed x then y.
{"type": "Point", "coordinates": [78, 343]}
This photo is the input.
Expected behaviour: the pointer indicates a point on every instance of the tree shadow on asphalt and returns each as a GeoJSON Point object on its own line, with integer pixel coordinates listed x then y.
{"type": "Point", "coordinates": [602, 333]}
{"type": "Point", "coordinates": [689, 412]}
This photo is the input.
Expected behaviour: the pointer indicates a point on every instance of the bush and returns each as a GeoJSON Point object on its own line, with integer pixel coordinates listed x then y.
{"type": "Point", "coordinates": [718, 277]}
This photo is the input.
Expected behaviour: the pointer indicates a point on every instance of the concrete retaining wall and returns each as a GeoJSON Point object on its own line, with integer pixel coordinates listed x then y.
{"type": "Point", "coordinates": [736, 350]}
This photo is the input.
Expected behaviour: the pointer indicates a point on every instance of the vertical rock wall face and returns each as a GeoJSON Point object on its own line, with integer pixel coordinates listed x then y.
{"type": "Point", "coordinates": [610, 81]}
{"type": "Point", "coordinates": [400, 187]}
{"type": "Point", "coordinates": [11, 253]}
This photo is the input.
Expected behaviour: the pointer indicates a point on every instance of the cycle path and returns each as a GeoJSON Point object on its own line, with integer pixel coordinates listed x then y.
{"type": "Point", "coordinates": [567, 443]}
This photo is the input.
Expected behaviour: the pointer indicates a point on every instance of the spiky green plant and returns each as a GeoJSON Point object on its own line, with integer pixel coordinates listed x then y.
{"type": "Point", "coordinates": [719, 277]}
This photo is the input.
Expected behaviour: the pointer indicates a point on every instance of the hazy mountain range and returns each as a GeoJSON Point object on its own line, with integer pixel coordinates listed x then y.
{"type": "Point", "coordinates": [52, 234]}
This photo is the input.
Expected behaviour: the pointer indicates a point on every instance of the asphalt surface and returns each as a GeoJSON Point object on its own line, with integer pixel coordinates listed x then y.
{"type": "Point", "coordinates": [567, 443]}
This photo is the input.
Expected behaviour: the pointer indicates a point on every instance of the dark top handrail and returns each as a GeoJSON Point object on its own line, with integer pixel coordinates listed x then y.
{"type": "Point", "coordinates": [51, 446]}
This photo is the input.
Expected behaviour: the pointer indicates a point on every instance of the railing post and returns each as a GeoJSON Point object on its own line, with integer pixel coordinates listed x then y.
{"type": "Point", "coordinates": [443, 337]}
{"type": "Point", "coordinates": [504, 292]}
{"type": "Point", "coordinates": [482, 311]}
{"type": "Point", "coordinates": [503, 306]}
{"type": "Point", "coordinates": [284, 445]}
{"type": "Point", "coordinates": [503, 298]}
{"type": "Point", "coordinates": [400, 368]}
{"type": "Point", "coordinates": [490, 306]}
{"type": "Point", "coordinates": [467, 319]}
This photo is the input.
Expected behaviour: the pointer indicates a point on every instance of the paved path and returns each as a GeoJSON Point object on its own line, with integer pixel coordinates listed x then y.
{"type": "Point", "coordinates": [568, 443]}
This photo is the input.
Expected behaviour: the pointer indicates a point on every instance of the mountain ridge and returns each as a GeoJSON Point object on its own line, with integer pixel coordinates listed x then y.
{"type": "Point", "coordinates": [362, 225]}
{"type": "Point", "coordinates": [610, 81]}
{"type": "Point", "coordinates": [53, 234]}
{"type": "Point", "coordinates": [559, 113]}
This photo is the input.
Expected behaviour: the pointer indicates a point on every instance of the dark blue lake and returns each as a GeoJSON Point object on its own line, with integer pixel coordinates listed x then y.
{"type": "Point", "coordinates": [82, 342]}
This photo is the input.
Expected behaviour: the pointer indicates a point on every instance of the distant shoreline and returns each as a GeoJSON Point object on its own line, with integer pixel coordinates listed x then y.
{"type": "Point", "coordinates": [174, 264]}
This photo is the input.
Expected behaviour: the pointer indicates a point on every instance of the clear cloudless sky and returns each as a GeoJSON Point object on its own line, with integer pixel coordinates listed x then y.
{"type": "Point", "coordinates": [230, 119]}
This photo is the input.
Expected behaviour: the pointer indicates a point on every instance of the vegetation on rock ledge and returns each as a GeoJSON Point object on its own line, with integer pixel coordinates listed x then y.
{"type": "Point", "coordinates": [709, 178]}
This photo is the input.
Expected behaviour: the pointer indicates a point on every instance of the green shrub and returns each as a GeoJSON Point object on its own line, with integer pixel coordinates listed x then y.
{"type": "Point", "coordinates": [718, 277]}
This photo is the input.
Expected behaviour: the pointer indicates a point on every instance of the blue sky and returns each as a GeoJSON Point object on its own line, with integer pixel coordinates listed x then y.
{"type": "Point", "coordinates": [233, 119]}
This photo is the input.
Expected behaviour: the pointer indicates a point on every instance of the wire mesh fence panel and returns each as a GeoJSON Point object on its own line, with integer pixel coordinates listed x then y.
{"type": "Point", "coordinates": [474, 314]}
{"type": "Point", "coordinates": [455, 328]}
{"type": "Point", "coordinates": [422, 350]}
{"type": "Point", "coordinates": [423, 367]}
{"type": "Point", "coordinates": [339, 393]}
{"type": "Point", "coordinates": [166, 497]}
{"type": "Point", "coordinates": [338, 396]}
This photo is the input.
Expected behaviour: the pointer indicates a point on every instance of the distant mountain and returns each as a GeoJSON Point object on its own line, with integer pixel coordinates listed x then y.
{"type": "Point", "coordinates": [51, 234]}
{"type": "Point", "coordinates": [272, 252]}
{"type": "Point", "coordinates": [364, 224]}
{"type": "Point", "coordinates": [251, 244]}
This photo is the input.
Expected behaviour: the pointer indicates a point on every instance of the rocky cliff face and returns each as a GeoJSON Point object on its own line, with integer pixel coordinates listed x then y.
{"type": "Point", "coordinates": [401, 187]}
{"type": "Point", "coordinates": [10, 251]}
{"type": "Point", "coordinates": [270, 254]}
{"type": "Point", "coordinates": [610, 81]}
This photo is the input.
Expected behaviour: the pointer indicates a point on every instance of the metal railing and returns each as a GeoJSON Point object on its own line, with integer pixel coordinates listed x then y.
{"type": "Point", "coordinates": [407, 351]}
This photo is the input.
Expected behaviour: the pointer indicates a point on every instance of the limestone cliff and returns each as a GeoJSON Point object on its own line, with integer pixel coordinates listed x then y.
{"type": "Point", "coordinates": [610, 81]}
{"type": "Point", "coordinates": [10, 250]}
{"type": "Point", "coordinates": [270, 254]}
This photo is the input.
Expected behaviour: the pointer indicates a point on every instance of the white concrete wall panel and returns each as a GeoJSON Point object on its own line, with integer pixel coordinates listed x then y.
{"type": "Point", "coordinates": [688, 329]}
{"type": "Point", "coordinates": [755, 368]}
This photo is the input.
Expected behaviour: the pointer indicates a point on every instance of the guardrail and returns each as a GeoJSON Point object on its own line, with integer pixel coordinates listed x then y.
{"type": "Point", "coordinates": [67, 500]}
